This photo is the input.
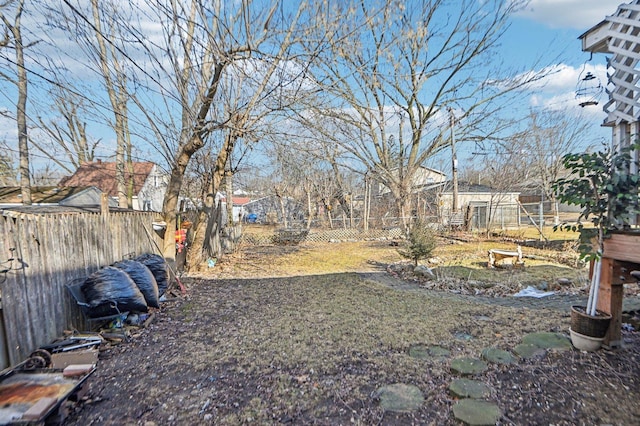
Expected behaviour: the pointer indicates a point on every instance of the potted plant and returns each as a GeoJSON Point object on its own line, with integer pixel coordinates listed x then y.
{"type": "Point", "coordinates": [605, 185]}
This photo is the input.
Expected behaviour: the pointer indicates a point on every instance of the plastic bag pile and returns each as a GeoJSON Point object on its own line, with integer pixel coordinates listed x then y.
{"type": "Point", "coordinates": [127, 286]}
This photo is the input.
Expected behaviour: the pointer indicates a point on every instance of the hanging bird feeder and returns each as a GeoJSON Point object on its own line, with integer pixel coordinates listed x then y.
{"type": "Point", "coordinates": [588, 90]}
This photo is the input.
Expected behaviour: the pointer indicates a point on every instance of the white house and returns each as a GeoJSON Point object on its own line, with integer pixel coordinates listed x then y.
{"type": "Point", "coordinates": [423, 178]}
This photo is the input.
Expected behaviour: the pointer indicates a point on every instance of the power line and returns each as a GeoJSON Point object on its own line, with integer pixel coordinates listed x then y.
{"type": "Point", "coordinates": [57, 84]}
{"type": "Point", "coordinates": [138, 158]}
{"type": "Point", "coordinates": [122, 52]}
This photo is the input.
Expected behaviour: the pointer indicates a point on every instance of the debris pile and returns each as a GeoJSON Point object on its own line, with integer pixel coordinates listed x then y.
{"type": "Point", "coordinates": [50, 383]}
{"type": "Point", "coordinates": [126, 286]}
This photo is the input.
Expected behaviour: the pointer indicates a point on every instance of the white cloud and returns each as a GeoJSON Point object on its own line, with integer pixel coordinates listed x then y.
{"type": "Point", "coordinates": [578, 14]}
{"type": "Point", "coordinates": [558, 79]}
{"type": "Point", "coordinates": [564, 77]}
{"type": "Point", "coordinates": [557, 91]}
{"type": "Point", "coordinates": [566, 102]}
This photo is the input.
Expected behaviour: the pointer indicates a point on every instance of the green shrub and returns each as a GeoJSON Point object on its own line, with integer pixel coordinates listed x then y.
{"type": "Point", "coordinates": [420, 242]}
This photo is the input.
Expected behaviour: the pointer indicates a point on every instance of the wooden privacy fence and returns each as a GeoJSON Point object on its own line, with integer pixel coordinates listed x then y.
{"type": "Point", "coordinates": [48, 251]}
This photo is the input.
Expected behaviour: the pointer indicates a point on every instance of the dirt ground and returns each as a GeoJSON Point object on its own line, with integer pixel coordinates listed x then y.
{"type": "Point", "coordinates": [262, 339]}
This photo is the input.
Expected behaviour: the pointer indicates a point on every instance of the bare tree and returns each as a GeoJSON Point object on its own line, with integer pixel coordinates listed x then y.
{"type": "Point", "coordinates": [115, 82]}
{"type": "Point", "coordinates": [392, 82]}
{"type": "Point", "coordinates": [550, 136]}
{"type": "Point", "coordinates": [7, 170]}
{"type": "Point", "coordinates": [253, 81]}
{"type": "Point", "coordinates": [531, 159]}
{"type": "Point", "coordinates": [172, 75]}
{"type": "Point", "coordinates": [99, 29]}
{"type": "Point", "coordinates": [292, 178]}
{"type": "Point", "coordinates": [68, 144]}
{"type": "Point", "coordinates": [15, 41]}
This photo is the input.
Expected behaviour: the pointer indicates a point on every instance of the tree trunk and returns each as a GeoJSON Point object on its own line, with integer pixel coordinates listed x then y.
{"type": "Point", "coordinates": [195, 254]}
{"type": "Point", "coordinates": [309, 208]}
{"type": "Point", "coordinates": [185, 152]}
{"type": "Point", "coordinates": [117, 98]}
{"type": "Point", "coordinates": [170, 202]}
{"type": "Point", "coordinates": [403, 205]}
{"type": "Point", "coordinates": [23, 137]}
{"type": "Point", "coordinates": [367, 204]}
{"type": "Point", "coordinates": [21, 106]}
{"type": "Point", "coordinates": [204, 225]}
{"type": "Point", "coordinates": [228, 189]}
{"type": "Point", "coordinates": [283, 210]}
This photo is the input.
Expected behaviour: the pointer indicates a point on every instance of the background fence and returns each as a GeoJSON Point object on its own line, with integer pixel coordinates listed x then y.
{"type": "Point", "coordinates": [39, 254]}
{"type": "Point", "coordinates": [480, 217]}
{"type": "Point", "coordinates": [298, 235]}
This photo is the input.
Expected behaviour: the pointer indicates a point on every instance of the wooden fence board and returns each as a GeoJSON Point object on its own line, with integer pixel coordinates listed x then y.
{"type": "Point", "coordinates": [51, 251]}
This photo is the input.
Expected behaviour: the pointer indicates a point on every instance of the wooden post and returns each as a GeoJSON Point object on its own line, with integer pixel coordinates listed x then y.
{"type": "Point", "coordinates": [621, 256]}
{"type": "Point", "coordinates": [104, 205]}
{"type": "Point", "coordinates": [610, 300]}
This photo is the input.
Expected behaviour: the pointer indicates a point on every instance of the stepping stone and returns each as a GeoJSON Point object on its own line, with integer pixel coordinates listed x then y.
{"type": "Point", "coordinates": [400, 398]}
{"type": "Point", "coordinates": [555, 341]}
{"type": "Point", "coordinates": [498, 356]}
{"type": "Point", "coordinates": [439, 352]}
{"type": "Point", "coordinates": [465, 388]}
{"type": "Point", "coordinates": [529, 351]}
{"type": "Point", "coordinates": [477, 413]}
{"type": "Point", "coordinates": [429, 352]}
{"type": "Point", "coordinates": [468, 366]}
{"type": "Point", "coordinates": [461, 335]}
{"type": "Point", "coordinates": [482, 318]}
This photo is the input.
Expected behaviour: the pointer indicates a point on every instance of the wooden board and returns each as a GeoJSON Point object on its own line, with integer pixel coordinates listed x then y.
{"type": "Point", "coordinates": [623, 247]}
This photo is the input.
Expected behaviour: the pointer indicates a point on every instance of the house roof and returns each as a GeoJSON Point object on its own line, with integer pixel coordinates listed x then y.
{"type": "Point", "coordinates": [103, 176]}
{"type": "Point", "coordinates": [596, 38]}
{"type": "Point", "coordinates": [17, 211]}
{"type": "Point", "coordinates": [238, 201]}
{"type": "Point", "coordinates": [40, 194]}
{"type": "Point", "coordinates": [265, 198]}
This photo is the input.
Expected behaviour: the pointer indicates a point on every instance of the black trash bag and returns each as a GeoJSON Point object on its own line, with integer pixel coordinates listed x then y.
{"type": "Point", "coordinates": [112, 286]}
{"type": "Point", "coordinates": [144, 279]}
{"type": "Point", "coordinates": [158, 268]}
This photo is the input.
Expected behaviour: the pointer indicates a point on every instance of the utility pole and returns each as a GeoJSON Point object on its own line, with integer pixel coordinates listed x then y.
{"type": "Point", "coordinates": [454, 163]}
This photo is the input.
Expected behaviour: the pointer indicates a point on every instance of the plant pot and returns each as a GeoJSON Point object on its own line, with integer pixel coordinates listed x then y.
{"type": "Point", "coordinates": [589, 325]}
{"type": "Point", "coordinates": [585, 343]}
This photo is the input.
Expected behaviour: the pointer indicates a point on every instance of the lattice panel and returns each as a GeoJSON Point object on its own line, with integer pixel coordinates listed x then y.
{"type": "Point", "coordinates": [624, 44]}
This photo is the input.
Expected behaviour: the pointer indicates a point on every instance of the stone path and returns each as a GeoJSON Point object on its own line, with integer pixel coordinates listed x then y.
{"type": "Point", "coordinates": [473, 406]}
{"type": "Point", "coordinates": [473, 398]}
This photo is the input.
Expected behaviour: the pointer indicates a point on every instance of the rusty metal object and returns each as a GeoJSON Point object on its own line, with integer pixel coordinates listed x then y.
{"type": "Point", "coordinates": [22, 390]}
{"type": "Point", "coordinates": [34, 362]}
{"type": "Point", "coordinates": [38, 359]}
{"type": "Point", "coordinates": [26, 392]}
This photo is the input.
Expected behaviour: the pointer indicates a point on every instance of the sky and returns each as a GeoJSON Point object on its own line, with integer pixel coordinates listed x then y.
{"type": "Point", "coordinates": [546, 32]}
{"type": "Point", "coordinates": [550, 29]}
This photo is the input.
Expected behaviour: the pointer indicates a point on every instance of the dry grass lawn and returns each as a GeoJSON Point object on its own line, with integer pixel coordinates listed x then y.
{"type": "Point", "coordinates": [308, 334]}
